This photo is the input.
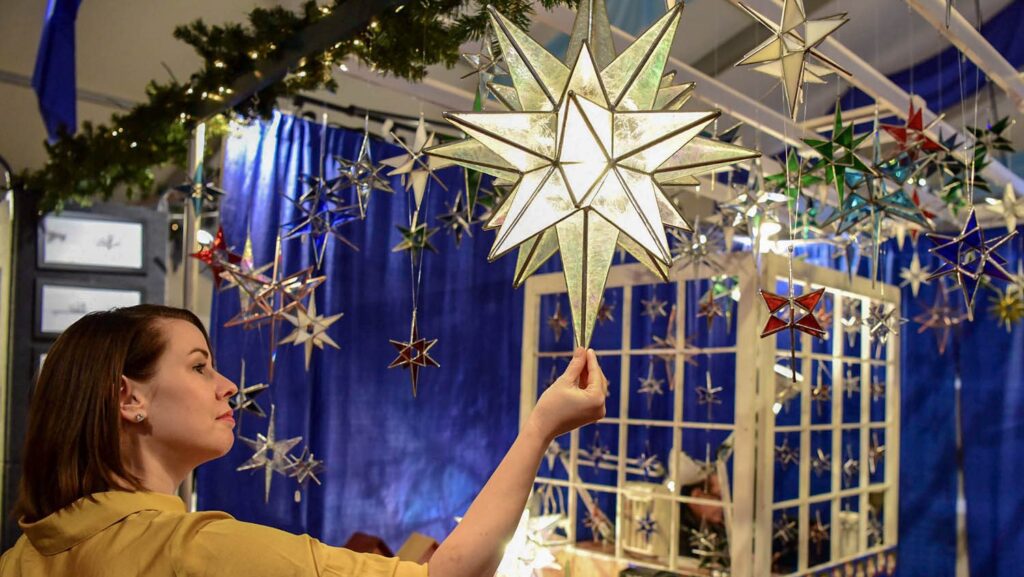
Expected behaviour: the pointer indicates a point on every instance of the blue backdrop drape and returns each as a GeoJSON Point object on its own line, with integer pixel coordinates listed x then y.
{"type": "Point", "coordinates": [947, 78]}
{"type": "Point", "coordinates": [394, 464]}
{"type": "Point", "coordinates": [397, 464]}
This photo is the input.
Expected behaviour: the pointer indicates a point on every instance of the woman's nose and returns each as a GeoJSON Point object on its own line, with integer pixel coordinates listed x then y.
{"type": "Point", "coordinates": [228, 387]}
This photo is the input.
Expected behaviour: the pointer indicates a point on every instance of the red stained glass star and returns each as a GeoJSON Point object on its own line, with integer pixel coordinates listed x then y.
{"type": "Point", "coordinates": [912, 137]}
{"type": "Point", "coordinates": [413, 355]}
{"type": "Point", "coordinates": [215, 255]}
{"type": "Point", "coordinates": [807, 323]}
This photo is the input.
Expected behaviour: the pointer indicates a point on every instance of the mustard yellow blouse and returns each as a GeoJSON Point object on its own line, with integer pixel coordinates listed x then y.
{"type": "Point", "coordinates": [122, 534]}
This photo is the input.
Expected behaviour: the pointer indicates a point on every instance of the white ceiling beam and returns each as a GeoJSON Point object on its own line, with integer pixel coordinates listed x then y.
{"type": "Point", "coordinates": [876, 85]}
{"type": "Point", "coordinates": [974, 46]}
{"type": "Point", "coordinates": [709, 90]}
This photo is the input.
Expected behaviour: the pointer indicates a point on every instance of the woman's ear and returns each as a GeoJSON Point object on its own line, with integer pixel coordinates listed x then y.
{"type": "Point", "coordinates": [130, 401]}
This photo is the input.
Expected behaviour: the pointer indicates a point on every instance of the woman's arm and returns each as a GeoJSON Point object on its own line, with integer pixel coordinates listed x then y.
{"type": "Point", "coordinates": [475, 547]}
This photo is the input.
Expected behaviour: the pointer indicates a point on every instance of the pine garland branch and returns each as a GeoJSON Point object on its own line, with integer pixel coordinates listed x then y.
{"type": "Point", "coordinates": [121, 154]}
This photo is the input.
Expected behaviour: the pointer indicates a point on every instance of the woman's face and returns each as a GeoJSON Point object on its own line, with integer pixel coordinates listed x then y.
{"type": "Point", "coordinates": [188, 417]}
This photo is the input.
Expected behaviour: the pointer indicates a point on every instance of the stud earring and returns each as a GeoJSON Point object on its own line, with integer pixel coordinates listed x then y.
{"type": "Point", "coordinates": [139, 418]}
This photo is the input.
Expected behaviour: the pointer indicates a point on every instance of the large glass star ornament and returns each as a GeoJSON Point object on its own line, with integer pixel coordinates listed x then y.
{"type": "Point", "coordinates": [271, 454]}
{"type": "Point", "coordinates": [310, 329]}
{"type": "Point", "coordinates": [969, 257]}
{"type": "Point", "coordinates": [589, 149]}
{"type": "Point", "coordinates": [784, 54]}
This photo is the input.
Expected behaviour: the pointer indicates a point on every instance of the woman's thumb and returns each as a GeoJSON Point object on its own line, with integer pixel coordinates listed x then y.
{"type": "Point", "coordinates": [579, 360]}
{"type": "Point", "coordinates": [593, 370]}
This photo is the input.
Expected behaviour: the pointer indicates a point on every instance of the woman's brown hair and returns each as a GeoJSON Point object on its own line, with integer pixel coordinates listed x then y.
{"type": "Point", "coordinates": [73, 442]}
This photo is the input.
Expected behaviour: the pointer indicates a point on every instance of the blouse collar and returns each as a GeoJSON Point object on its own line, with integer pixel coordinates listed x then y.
{"type": "Point", "coordinates": [89, 515]}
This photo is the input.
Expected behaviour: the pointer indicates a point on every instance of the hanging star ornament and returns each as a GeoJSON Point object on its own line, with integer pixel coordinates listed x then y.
{"type": "Point", "coordinates": [784, 528]}
{"type": "Point", "coordinates": [310, 329]}
{"type": "Point", "coordinates": [650, 386]}
{"type": "Point", "coordinates": [217, 256]}
{"type": "Point", "coordinates": [913, 138]}
{"type": "Point", "coordinates": [361, 175]}
{"type": "Point", "coordinates": [970, 258]}
{"type": "Point", "coordinates": [414, 354]}
{"type": "Point", "coordinates": [821, 463]}
{"type": "Point", "coordinates": [784, 54]}
{"type": "Point", "coordinates": [305, 467]}
{"type": "Point", "coordinates": [876, 454]}
{"type": "Point", "coordinates": [819, 533]}
{"type": "Point", "coordinates": [839, 160]}
{"type": "Point", "coordinates": [789, 306]}
{"type": "Point", "coordinates": [785, 454]}
{"type": "Point", "coordinates": [881, 324]}
{"type": "Point", "coordinates": [414, 166]}
{"type": "Point", "coordinates": [941, 318]}
{"type": "Point", "coordinates": [708, 394]}
{"type": "Point", "coordinates": [1007, 307]}
{"type": "Point", "coordinates": [654, 307]}
{"type": "Point", "coordinates": [915, 275]}
{"type": "Point", "coordinates": [646, 526]}
{"type": "Point", "coordinates": [851, 467]}
{"type": "Point", "coordinates": [709, 547]}
{"type": "Point", "coordinates": [589, 148]}
{"type": "Point", "coordinates": [415, 238]}
{"type": "Point", "coordinates": [271, 455]}
{"type": "Point", "coordinates": [557, 323]}
{"type": "Point", "coordinates": [245, 398]}
{"type": "Point", "coordinates": [1010, 206]}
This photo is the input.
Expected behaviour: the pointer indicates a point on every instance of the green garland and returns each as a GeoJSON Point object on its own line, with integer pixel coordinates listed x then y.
{"type": "Point", "coordinates": [121, 155]}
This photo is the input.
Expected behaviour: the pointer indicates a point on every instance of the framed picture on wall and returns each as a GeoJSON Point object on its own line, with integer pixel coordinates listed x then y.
{"type": "Point", "coordinates": [87, 242]}
{"type": "Point", "coordinates": [61, 305]}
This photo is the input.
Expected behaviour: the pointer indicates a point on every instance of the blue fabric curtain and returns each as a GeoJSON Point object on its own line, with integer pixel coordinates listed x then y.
{"type": "Point", "coordinates": [940, 79]}
{"type": "Point", "coordinates": [394, 464]}
{"type": "Point", "coordinates": [54, 75]}
{"type": "Point", "coordinates": [991, 363]}
{"type": "Point", "coordinates": [397, 464]}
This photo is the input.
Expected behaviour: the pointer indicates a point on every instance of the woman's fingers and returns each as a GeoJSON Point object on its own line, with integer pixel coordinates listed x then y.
{"type": "Point", "coordinates": [576, 366]}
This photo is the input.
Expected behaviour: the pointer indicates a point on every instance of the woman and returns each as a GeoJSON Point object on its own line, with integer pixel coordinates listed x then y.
{"type": "Point", "coordinates": [128, 403]}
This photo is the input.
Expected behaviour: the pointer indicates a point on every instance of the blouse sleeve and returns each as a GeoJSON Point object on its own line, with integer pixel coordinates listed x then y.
{"type": "Point", "coordinates": [217, 545]}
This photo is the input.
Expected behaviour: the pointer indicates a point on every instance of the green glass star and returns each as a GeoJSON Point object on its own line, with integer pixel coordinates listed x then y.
{"type": "Point", "coordinates": [841, 165]}
{"type": "Point", "coordinates": [416, 238]}
{"type": "Point", "coordinates": [793, 179]}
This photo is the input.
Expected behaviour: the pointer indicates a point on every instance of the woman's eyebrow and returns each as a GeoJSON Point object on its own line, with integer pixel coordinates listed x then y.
{"type": "Point", "coordinates": [199, 350]}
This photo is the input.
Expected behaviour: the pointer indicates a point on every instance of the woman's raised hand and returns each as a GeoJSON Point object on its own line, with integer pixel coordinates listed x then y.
{"type": "Point", "coordinates": [575, 399]}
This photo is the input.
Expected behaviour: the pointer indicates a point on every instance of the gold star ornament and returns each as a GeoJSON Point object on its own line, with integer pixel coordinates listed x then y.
{"type": "Point", "coordinates": [589, 147]}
